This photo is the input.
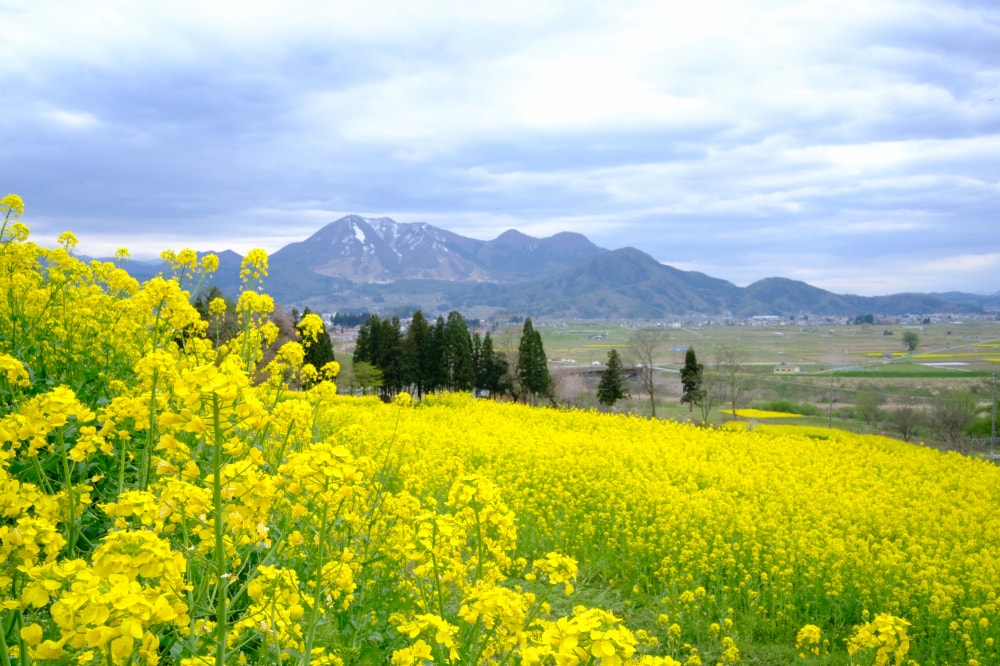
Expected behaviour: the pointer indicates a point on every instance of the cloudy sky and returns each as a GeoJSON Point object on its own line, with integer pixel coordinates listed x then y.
{"type": "Point", "coordinates": [852, 144]}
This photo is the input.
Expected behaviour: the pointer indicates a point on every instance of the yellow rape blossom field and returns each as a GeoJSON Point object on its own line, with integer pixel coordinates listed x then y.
{"type": "Point", "coordinates": [168, 500]}
{"type": "Point", "coordinates": [760, 414]}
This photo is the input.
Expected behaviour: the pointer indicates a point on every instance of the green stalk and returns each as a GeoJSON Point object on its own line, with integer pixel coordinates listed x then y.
{"type": "Point", "coordinates": [155, 337]}
{"type": "Point", "coordinates": [221, 601]}
{"type": "Point", "coordinates": [43, 479]}
{"type": "Point", "coordinates": [284, 444]}
{"type": "Point", "coordinates": [147, 451]}
{"type": "Point", "coordinates": [310, 637]}
{"type": "Point", "coordinates": [274, 633]}
{"type": "Point", "coordinates": [437, 576]}
{"type": "Point", "coordinates": [482, 643]}
{"type": "Point", "coordinates": [479, 545]}
{"type": "Point", "coordinates": [71, 528]}
{"type": "Point", "coordinates": [194, 593]}
{"type": "Point", "coordinates": [121, 469]}
{"type": "Point", "coordinates": [16, 621]}
{"type": "Point", "coordinates": [4, 651]}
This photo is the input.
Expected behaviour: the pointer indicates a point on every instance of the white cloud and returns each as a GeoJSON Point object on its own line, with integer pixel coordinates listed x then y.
{"type": "Point", "coordinates": [966, 263]}
{"type": "Point", "coordinates": [74, 120]}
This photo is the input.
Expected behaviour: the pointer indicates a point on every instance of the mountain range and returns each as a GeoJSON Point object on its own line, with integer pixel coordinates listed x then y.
{"type": "Point", "coordinates": [377, 264]}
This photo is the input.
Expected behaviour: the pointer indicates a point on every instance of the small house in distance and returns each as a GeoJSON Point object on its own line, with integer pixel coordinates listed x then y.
{"type": "Point", "coordinates": [782, 369]}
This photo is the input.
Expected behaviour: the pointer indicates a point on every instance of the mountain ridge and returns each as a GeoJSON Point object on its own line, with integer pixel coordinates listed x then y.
{"type": "Point", "coordinates": [376, 263]}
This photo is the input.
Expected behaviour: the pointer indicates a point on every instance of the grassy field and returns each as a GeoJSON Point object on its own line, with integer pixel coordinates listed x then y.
{"type": "Point", "coordinates": [813, 349]}
{"type": "Point", "coordinates": [829, 364]}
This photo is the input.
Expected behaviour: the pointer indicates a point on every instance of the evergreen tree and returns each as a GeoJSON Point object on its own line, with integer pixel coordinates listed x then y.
{"type": "Point", "coordinates": [457, 354]}
{"type": "Point", "coordinates": [532, 365]}
{"type": "Point", "coordinates": [380, 344]}
{"type": "Point", "coordinates": [436, 378]}
{"type": "Point", "coordinates": [497, 374]}
{"type": "Point", "coordinates": [612, 386]}
{"type": "Point", "coordinates": [366, 344]}
{"type": "Point", "coordinates": [390, 358]}
{"type": "Point", "coordinates": [350, 319]}
{"type": "Point", "coordinates": [491, 367]}
{"type": "Point", "coordinates": [692, 380]}
{"type": "Point", "coordinates": [478, 363]}
{"type": "Point", "coordinates": [420, 360]}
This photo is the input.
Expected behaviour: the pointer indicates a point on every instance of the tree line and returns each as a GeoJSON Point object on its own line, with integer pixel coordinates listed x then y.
{"type": "Point", "coordinates": [422, 358]}
{"type": "Point", "coordinates": [445, 356]}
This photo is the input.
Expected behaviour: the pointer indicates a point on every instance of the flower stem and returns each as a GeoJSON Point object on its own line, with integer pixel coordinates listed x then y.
{"type": "Point", "coordinates": [320, 560]}
{"type": "Point", "coordinates": [147, 451]}
{"type": "Point", "coordinates": [71, 528]}
{"type": "Point", "coordinates": [221, 590]}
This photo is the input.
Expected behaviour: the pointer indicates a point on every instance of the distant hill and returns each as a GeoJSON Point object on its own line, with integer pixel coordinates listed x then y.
{"type": "Point", "coordinates": [619, 283]}
{"type": "Point", "coordinates": [381, 265]}
{"type": "Point", "coordinates": [379, 249]}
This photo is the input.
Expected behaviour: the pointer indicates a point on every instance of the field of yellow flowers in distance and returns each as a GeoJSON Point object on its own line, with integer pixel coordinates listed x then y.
{"type": "Point", "coordinates": [165, 499]}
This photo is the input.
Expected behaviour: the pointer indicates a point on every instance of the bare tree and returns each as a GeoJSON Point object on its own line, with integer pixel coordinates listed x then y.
{"type": "Point", "coordinates": [951, 414]}
{"type": "Point", "coordinates": [712, 393]}
{"type": "Point", "coordinates": [906, 418]}
{"type": "Point", "coordinates": [645, 345]}
{"type": "Point", "coordinates": [868, 404]}
{"type": "Point", "coordinates": [733, 369]}
{"type": "Point", "coordinates": [570, 387]}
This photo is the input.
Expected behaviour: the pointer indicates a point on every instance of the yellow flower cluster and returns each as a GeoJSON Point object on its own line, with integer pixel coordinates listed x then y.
{"type": "Point", "coordinates": [761, 414]}
{"type": "Point", "coordinates": [310, 327]}
{"type": "Point", "coordinates": [586, 634]}
{"type": "Point", "coordinates": [886, 635]}
{"type": "Point", "coordinates": [558, 569]}
{"type": "Point", "coordinates": [186, 266]}
{"type": "Point", "coordinates": [12, 206]}
{"type": "Point", "coordinates": [133, 586]}
{"type": "Point", "coordinates": [809, 641]}
{"type": "Point", "coordinates": [254, 267]}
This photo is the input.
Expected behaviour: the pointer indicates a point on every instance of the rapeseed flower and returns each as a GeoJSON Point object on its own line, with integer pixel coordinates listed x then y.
{"type": "Point", "coordinates": [12, 206]}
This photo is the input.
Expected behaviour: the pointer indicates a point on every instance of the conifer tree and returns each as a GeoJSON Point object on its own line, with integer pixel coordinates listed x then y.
{"type": "Point", "coordinates": [390, 357]}
{"type": "Point", "coordinates": [457, 353]}
{"type": "Point", "coordinates": [436, 377]}
{"type": "Point", "coordinates": [612, 386]}
{"type": "Point", "coordinates": [421, 362]}
{"type": "Point", "coordinates": [692, 380]}
{"type": "Point", "coordinates": [532, 365]}
{"type": "Point", "coordinates": [478, 363]}
{"type": "Point", "coordinates": [366, 344]}
{"type": "Point", "coordinates": [380, 343]}
{"type": "Point", "coordinates": [491, 366]}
